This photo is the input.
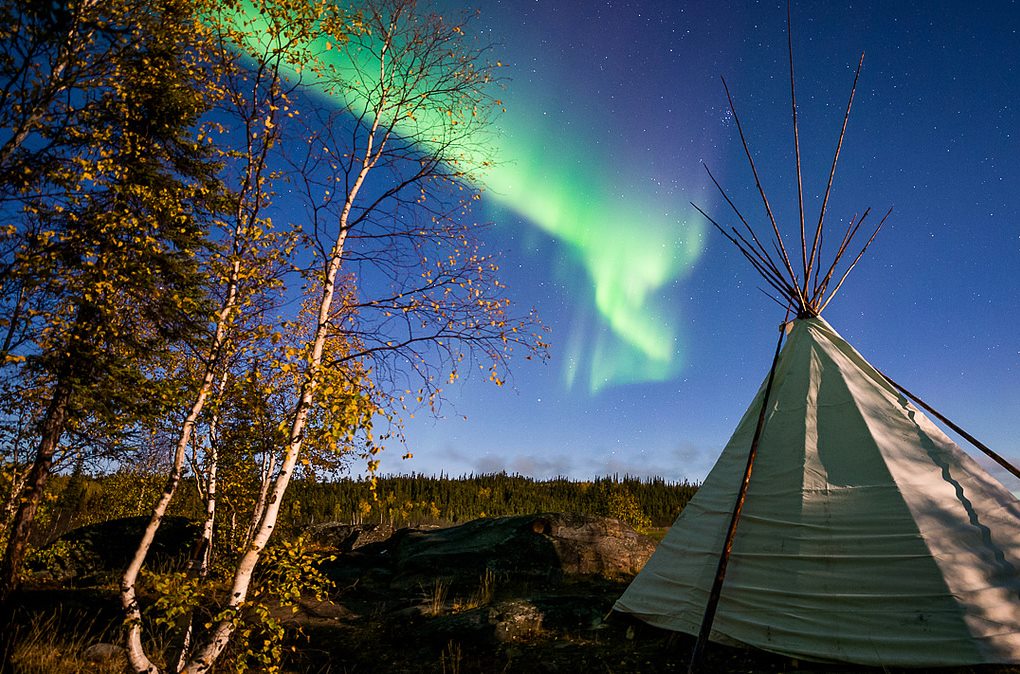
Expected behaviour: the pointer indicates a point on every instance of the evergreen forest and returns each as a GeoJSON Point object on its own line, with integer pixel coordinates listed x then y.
{"type": "Point", "coordinates": [79, 500]}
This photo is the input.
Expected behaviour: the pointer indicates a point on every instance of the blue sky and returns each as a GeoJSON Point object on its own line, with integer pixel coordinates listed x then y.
{"type": "Point", "coordinates": [613, 106]}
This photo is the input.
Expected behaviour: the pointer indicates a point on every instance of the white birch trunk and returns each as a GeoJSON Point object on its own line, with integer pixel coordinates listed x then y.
{"type": "Point", "coordinates": [206, 656]}
{"type": "Point", "coordinates": [135, 652]}
{"type": "Point", "coordinates": [200, 565]}
{"type": "Point", "coordinates": [212, 466]}
{"type": "Point", "coordinates": [137, 658]}
{"type": "Point", "coordinates": [268, 468]}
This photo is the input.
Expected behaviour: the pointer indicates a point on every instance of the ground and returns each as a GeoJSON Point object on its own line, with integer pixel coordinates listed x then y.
{"type": "Point", "coordinates": [528, 594]}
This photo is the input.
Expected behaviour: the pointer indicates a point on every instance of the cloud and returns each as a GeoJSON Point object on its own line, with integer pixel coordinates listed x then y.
{"type": "Point", "coordinates": [686, 462]}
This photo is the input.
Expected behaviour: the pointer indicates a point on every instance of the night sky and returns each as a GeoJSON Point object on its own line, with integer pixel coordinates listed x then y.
{"type": "Point", "coordinates": [660, 335]}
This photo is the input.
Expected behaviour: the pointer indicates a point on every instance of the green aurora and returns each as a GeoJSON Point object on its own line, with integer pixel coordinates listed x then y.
{"type": "Point", "coordinates": [626, 240]}
{"type": "Point", "coordinates": [628, 246]}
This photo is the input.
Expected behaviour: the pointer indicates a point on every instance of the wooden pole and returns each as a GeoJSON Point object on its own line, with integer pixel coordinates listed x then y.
{"type": "Point", "coordinates": [796, 147]}
{"type": "Point", "coordinates": [832, 170]}
{"type": "Point", "coordinates": [970, 438]}
{"type": "Point", "coordinates": [724, 557]}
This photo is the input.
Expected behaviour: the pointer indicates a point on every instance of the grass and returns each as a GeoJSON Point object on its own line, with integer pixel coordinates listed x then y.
{"type": "Point", "coordinates": [435, 599]}
{"type": "Point", "coordinates": [485, 592]}
{"type": "Point", "coordinates": [450, 658]}
{"type": "Point", "coordinates": [46, 646]}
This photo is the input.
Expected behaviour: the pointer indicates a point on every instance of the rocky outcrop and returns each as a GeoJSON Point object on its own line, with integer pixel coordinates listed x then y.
{"type": "Point", "coordinates": [602, 546]}
{"type": "Point", "coordinates": [508, 621]}
{"type": "Point", "coordinates": [347, 537]}
{"type": "Point", "coordinates": [530, 545]}
{"type": "Point", "coordinates": [96, 552]}
{"type": "Point", "coordinates": [539, 548]}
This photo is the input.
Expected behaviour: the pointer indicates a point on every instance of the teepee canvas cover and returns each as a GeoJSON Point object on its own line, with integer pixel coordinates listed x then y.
{"type": "Point", "coordinates": [867, 535]}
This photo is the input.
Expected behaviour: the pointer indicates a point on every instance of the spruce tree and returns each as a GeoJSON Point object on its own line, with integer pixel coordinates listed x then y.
{"type": "Point", "coordinates": [110, 207]}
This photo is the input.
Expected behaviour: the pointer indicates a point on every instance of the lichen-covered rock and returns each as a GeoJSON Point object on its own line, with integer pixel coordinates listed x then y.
{"type": "Point", "coordinates": [601, 546]}
{"type": "Point", "coordinates": [508, 621]}
{"type": "Point", "coordinates": [104, 652]}
{"type": "Point", "coordinates": [515, 620]}
{"type": "Point", "coordinates": [347, 537]}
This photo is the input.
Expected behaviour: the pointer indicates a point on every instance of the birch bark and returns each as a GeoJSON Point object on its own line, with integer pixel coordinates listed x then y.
{"type": "Point", "coordinates": [207, 654]}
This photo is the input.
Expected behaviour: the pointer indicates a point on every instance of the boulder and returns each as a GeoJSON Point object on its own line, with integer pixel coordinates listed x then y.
{"type": "Point", "coordinates": [596, 546]}
{"type": "Point", "coordinates": [98, 550]}
{"type": "Point", "coordinates": [104, 652]}
{"type": "Point", "coordinates": [515, 620]}
{"type": "Point", "coordinates": [509, 621]}
{"type": "Point", "coordinates": [512, 620]}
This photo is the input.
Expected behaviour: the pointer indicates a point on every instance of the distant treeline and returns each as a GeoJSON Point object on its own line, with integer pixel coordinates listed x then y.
{"type": "Point", "coordinates": [421, 499]}
{"type": "Point", "coordinates": [403, 500]}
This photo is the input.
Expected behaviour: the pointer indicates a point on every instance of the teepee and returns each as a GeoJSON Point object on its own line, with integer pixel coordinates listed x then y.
{"type": "Point", "coordinates": [839, 523]}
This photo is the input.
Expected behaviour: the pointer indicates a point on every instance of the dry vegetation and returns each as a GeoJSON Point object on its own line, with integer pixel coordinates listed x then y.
{"type": "Point", "coordinates": [384, 614]}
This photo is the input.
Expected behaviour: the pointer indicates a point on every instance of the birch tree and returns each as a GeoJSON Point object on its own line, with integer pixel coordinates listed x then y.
{"type": "Point", "coordinates": [387, 187]}
{"type": "Point", "coordinates": [254, 97]}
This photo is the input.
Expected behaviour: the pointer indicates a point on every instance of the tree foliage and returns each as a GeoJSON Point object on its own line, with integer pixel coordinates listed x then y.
{"type": "Point", "coordinates": [211, 278]}
{"type": "Point", "coordinates": [109, 196]}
